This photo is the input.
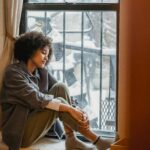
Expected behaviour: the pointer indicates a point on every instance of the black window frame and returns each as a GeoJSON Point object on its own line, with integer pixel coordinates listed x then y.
{"type": "Point", "coordinates": [78, 7]}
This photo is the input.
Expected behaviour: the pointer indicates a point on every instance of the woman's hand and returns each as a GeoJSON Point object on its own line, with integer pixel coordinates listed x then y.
{"type": "Point", "coordinates": [77, 114]}
{"type": "Point", "coordinates": [80, 116]}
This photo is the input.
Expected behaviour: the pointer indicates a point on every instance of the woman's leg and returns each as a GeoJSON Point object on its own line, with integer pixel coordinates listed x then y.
{"type": "Point", "coordinates": [70, 124]}
{"type": "Point", "coordinates": [40, 122]}
{"type": "Point", "coordinates": [37, 125]}
{"type": "Point", "coordinates": [61, 91]}
{"type": "Point", "coordinates": [99, 142]}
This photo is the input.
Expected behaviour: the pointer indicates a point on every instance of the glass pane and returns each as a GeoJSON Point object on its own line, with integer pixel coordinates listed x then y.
{"type": "Point", "coordinates": [84, 44]}
{"type": "Point", "coordinates": [73, 1]}
{"type": "Point", "coordinates": [109, 70]}
{"type": "Point", "coordinates": [91, 65]}
{"type": "Point", "coordinates": [73, 52]}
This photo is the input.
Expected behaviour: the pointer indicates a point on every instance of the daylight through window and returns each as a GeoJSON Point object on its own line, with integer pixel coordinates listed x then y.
{"type": "Point", "coordinates": [85, 43]}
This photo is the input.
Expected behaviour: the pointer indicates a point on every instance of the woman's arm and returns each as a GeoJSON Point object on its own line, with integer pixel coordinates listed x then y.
{"type": "Point", "coordinates": [51, 79]}
{"type": "Point", "coordinates": [56, 105]}
{"type": "Point", "coordinates": [18, 89]}
{"type": "Point", "coordinates": [76, 113]}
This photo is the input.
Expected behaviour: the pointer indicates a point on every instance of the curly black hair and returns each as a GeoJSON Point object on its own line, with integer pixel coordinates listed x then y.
{"type": "Point", "coordinates": [28, 43]}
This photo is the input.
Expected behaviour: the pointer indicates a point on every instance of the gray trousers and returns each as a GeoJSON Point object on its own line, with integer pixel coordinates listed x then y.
{"type": "Point", "coordinates": [39, 123]}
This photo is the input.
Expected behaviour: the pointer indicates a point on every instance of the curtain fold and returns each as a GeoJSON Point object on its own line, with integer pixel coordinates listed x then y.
{"type": "Point", "coordinates": [12, 14]}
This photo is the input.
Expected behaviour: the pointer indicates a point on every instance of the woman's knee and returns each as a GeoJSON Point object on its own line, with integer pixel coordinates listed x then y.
{"type": "Point", "coordinates": [64, 101]}
{"type": "Point", "coordinates": [61, 86]}
{"type": "Point", "coordinates": [69, 120]}
{"type": "Point", "coordinates": [61, 90]}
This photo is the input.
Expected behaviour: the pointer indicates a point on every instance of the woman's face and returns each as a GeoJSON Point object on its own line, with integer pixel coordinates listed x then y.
{"type": "Point", "coordinates": [40, 57]}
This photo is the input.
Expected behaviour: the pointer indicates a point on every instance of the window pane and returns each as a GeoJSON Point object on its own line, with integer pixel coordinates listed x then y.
{"type": "Point", "coordinates": [73, 1]}
{"type": "Point", "coordinates": [84, 57]}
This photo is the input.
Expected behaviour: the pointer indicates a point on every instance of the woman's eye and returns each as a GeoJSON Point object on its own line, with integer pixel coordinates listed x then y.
{"type": "Point", "coordinates": [43, 52]}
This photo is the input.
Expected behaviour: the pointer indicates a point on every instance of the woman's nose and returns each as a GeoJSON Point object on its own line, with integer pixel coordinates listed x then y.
{"type": "Point", "coordinates": [46, 58]}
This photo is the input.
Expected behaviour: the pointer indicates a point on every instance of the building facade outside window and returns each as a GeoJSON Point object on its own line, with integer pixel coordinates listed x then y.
{"type": "Point", "coordinates": [85, 43]}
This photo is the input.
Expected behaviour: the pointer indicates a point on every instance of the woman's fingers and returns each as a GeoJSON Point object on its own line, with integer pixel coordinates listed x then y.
{"type": "Point", "coordinates": [84, 124]}
{"type": "Point", "coordinates": [85, 117]}
{"type": "Point", "coordinates": [81, 117]}
{"type": "Point", "coordinates": [77, 114]}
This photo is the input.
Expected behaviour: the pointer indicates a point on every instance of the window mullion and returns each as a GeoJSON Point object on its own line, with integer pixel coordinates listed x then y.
{"type": "Point", "coordinates": [101, 64]}
{"type": "Point", "coordinates": [64, 44]}
{"type": "Point", "coordinates": [82, 49]}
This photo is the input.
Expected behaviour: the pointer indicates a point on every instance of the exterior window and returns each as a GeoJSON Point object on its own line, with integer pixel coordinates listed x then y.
{"type": "Point", "coordinates": [85, 43]}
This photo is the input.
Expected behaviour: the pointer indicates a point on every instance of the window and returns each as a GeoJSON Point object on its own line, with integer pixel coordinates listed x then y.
{"type": "Point", "coordinates": [85, 43]}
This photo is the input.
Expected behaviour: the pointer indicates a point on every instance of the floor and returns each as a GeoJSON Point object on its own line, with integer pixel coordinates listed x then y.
{"type": "Point", "coordinates": [43, 144]}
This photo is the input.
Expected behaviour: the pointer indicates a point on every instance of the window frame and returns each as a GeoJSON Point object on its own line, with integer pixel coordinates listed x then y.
{"type": "Point", "coordinates": [79, 7]}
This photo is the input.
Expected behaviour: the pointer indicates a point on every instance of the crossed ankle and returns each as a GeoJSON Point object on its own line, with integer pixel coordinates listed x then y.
{"type": "Point", "coordinates": [103, 143]}
{"type": "Point", "coordinates": [96, 140]}
{"type": "Point", "coordinates": [74, 143]}
{"type": "Point", "coordinates": [70, 134]}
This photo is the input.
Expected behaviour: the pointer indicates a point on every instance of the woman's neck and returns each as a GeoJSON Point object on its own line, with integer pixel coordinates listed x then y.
{"type": "Point", "coordinates": [31, 67]}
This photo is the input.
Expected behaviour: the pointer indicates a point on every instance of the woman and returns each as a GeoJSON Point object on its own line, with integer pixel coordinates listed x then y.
{"type": "Point", "coordinates": [32, 99]}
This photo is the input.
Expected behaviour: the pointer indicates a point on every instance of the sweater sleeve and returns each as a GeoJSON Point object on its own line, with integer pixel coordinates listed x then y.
{"type": "Point", "coordinates": [54, 104]}
{"type": "Point", "coordinates": [20, 90]}
{"type": "Point", "coordinates": [51, 79]}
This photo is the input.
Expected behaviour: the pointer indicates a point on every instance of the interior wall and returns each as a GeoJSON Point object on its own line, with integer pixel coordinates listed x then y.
{"type": "Point", "coordinates": [140, 74]}
{"type": "Point", "coordinates": [124, 70]}
{"type": "Point", "coordinates": [134, 94]}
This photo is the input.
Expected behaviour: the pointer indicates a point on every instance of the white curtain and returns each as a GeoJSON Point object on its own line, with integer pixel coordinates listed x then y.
{"type": "Point", "coordinates": [12, 13]}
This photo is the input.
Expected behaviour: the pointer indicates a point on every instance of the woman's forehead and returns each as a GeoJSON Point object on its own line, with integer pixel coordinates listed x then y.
{"type": "Point", "coordinates": [46, 48]}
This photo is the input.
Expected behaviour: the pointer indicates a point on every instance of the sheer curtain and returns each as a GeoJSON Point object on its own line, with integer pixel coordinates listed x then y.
{"type": "Point", "coordinates": [12, 13]}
